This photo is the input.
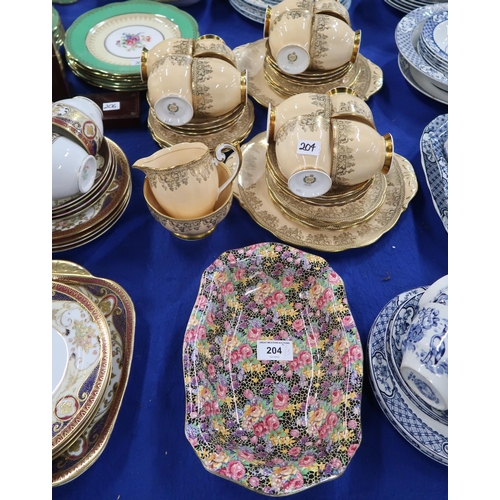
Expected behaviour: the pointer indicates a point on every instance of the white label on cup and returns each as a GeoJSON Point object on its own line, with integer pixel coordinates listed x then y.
{"type": "Point", "coordinates": [274, 349]}
{"type": "Point", "coordinates": [309, 148]}
{"type": "Point", "coordinates": [110, 106]}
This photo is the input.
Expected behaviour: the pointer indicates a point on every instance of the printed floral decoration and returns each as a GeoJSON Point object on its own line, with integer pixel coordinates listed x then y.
{"type": "Point", "coordinates": [132, 41]}
{"type": "Point", "coordinates": [277, 427]}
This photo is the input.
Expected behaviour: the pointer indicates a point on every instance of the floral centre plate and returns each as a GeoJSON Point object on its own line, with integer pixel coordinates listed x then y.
{"type": "Point", "coordinates": [276, 426]}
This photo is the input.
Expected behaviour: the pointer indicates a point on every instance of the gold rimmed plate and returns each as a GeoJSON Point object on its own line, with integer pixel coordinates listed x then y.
{"type": "Point", "coordinates": [118, 311]}
{"type": "Point", "coordinates": [368, 77]}
{"type": "Point", "coordinates": [251, 190]}
{"type": "Point", "coordinates": [81, 371]}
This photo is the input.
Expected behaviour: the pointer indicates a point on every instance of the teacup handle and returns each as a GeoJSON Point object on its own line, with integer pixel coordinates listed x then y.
{"type": "Point", "coordinates": [219, 154]}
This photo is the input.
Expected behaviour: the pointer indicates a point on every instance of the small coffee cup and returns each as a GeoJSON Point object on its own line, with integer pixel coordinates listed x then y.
{"type": "Point", "coordinates": [272, 12]}
{"type": "Point", "coordinates": [425, 355]}
{"type": "Point", "coordinates": [290, 40]}
{"type": "Point", "coordinates": [69, 120]}
{"type": "Point", "coordinates": [347, 105]}
{"type": "Point", "coordinates": [184, 178]}
{"type": "Point", "coordinates": [307, 103]}
{"type": "Point", "coordinates": [359, 152]}
{"type": "Point", "coordinates": [437, 292]}
{"type": "Point", "coordinates": [169, 89]}
{"type": "Point", "coordinates": [304, 155]}
{"type": "Point", "coordinates": [73, 169]}
{"type": "Point", "coordinates": [175, 45]}
{"type": "Point", "coordinates": [332, 8]}
{"type": "Point", "coordinates": [217, 87]}
{"type": "Point", "coordinates": [214, 46]}
{"type": "Point", "coordinates": [334, 43]}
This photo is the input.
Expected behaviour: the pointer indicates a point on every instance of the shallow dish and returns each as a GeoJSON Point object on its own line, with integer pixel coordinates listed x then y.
{"type": "Point", "coordinates": [421, 430]}
{"type": "Point", "coordinates": [252, 417]}
{"type": "Point", "coordinates": [435, 164]}
{"type": "Point", "coordinates": [365, 78]}
{"type": "Point", "coordinates": [118, 311]}
{"type": "Point", "coordinates": [253, 194]}
{"type": "Point", "coordinates": [77, 395]}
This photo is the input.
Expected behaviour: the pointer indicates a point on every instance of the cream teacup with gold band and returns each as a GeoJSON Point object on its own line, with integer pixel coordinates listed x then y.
{"type": "Point", "coordinates": [333, 43]}
{"type": "Point", "coordinates": [214, 46]}
{"type": "Point", "coordinates": [175, 45]}
{"type": "Point", "coordinates": [290, 40]}
{"type": "Point", "coordinates": [272, 12]}
{"type": "Point", "coordinates": [184, 178]}
{"type": "Point", "coordinates": [304, 155]}
{"type": "Point", "coordinates": [169, 89]}
{"type": "Point", "coordinates": [307, 103]}
{"type": "Point", "coordinates": [217, 87]}
{"type": "Point", "coordinates": [347, 105]}
{"type": "Point", "coordinates": [358, 152]}
{"type": "Point", "coordinates": [332, 8]}
{"type": "Point", "coordinates": [73, 123]}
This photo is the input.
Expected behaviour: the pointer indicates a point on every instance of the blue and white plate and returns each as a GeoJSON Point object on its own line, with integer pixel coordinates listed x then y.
{"type": "Point", "coordinates": [409, 5]}
{"type": "Point", "coordinates": [427, 434]}
{"type": "Point", "coordinates": [435, 37]}
{"type": "Point", "coordinates": [434, 156]}
{"type": "Point", "coordinates": [407, 35]}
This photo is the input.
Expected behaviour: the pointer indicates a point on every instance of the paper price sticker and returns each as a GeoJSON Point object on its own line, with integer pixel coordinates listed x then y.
{"type": "Point", "coordinates": [110, 106]}
{"type": "Point", "coordinates": [281, 350]}
{"type": "Point", "coordinates": [309, 148]}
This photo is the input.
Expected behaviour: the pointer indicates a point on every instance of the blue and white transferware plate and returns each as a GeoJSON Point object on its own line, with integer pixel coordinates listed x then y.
{"type": "Point", "coordinates": [434, 39]}
{"type": "Point", "coordinates": [421, 429]}
{"type": "Point", "coordinates": [407, 34]}
{"type": "Point", "coordinates": [409, 5]}
{"type": "Point", "coordinates": [420, 82]}
{"type": "Point", "coordinates": [435, 163]}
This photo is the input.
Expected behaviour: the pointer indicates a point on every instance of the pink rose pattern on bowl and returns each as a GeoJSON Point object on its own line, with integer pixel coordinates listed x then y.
{"type": "Point", "coordinates": [277, 427]}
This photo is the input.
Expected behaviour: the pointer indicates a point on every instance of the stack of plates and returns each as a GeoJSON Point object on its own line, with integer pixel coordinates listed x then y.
{"type": "Point", "coordinates": [256, 9]}
{"type": "Point", "coordinates": [434, 156]}
{"type": "Point", "coordinates": [104, 45]}
{"type": "Point", "coordinates": [58, 33]}
{"type": "Point", "coordinates": [409, 5]}
{"type": "Point", "coordinates": [93, 325]}
{"type": "Point", "coordinates": [419, 423]}
{"type": "Point", "coordinates": [81, 218]}
{"type": "Point", "coordinates": [422, 41]}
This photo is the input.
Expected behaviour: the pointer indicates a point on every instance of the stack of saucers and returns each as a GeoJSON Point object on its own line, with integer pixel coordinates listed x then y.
{"type": "Point", "coordinates": [409, 5]}
{"type": "Point", "coordinates": [103, 46]}
{"type": "Point", "coordinates": [82, 421]}
{"type": "Point", "coordinates": [58, 32]}
{"type": "Point", "coordinates": [81, 218]}
{"type": "Point", "coordinates": [422, 41]}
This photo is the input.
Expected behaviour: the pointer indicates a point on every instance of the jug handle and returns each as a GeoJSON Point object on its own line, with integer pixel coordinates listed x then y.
{"type": "Point", "coordinates": [219, 154]}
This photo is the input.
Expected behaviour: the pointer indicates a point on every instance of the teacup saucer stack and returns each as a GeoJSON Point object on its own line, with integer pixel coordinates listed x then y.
{"type": "Point", "coordinates": [422, 41]}
{"type": "Point", "coordinates": [82, 421]}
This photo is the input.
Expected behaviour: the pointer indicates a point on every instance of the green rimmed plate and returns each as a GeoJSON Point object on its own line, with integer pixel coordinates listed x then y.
{"type": "Point", "coordinates": [110, 39]}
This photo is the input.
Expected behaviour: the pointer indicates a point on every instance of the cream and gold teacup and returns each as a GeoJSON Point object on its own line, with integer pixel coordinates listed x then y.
{"type": "Point", "coordinates": [333, 43]}
{"type": "Point", "coordinates": [358, 152]}
{"type": "Point", "coordinates": [169, 89]}
{"type": "Point", "coordinates": [214, 46]}
{"type": "Point", "coordinates": [175, 45]}
{"type": "Point", "coordinates": [273, 11]}
{"type": "Point", "coordinates": [290, 40]}
{"type": "Point", "coordinates": [217, 87]}
{"type": "Point", "coordinates": [184, 178]}
{"type": "Point", "coordinates": [347, 105]}
{"type": "Point", "coordinates": [332, 8]}
{"type": "Point", "coordinates": [304, 155]}
{"type": "Point", "coordinates": [70, 121]}
{"type": "Point", "coordinates": [198, 227]}
{"type": "Point", "coordinates": [307, 103]}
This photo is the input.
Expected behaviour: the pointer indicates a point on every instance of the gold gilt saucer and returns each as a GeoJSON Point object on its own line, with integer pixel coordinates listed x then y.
{"type": "Point", "coordinates": [250, 188]}
{"type": "Point", "coordinates": [236, 133]}
{"type": "Point", "coordinates": [365, 79]}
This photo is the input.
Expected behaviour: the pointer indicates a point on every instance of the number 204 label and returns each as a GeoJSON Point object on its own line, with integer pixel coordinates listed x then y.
{"type": "Point", "coordinates": [281, 350]}
{"type": "Point", "coordinates": [309, 148]}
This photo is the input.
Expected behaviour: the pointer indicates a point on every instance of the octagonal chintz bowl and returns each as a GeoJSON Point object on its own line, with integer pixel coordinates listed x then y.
{"type": "Point", "coordinates": [273, 370]}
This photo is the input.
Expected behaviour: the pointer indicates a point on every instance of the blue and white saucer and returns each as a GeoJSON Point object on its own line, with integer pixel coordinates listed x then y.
{"type": "Point", "coordinates": [425, 428]}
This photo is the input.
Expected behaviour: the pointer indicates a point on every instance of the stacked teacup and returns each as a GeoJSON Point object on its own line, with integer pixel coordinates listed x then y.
{"type": "Point", "coordinates": [325, 162]}
{"type": "Point", "coordinates": [77, 135]}
{"type": "Point", "coordinates": [425, 350]}
{"type": "Point", "coordinates": [310, 46]}
{"type": "Point", "coordinates": [188, 188]}
{"type": "Point", "coordinates": [195, 92]}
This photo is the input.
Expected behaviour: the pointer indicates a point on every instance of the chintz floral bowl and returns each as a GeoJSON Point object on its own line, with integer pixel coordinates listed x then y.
{"type": "Point", "coordinates": [273, 370]}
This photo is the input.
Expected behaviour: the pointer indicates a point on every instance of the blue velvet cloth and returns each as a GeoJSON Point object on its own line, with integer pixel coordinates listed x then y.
{"type": "Point", "coordinates": [148, 455]}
